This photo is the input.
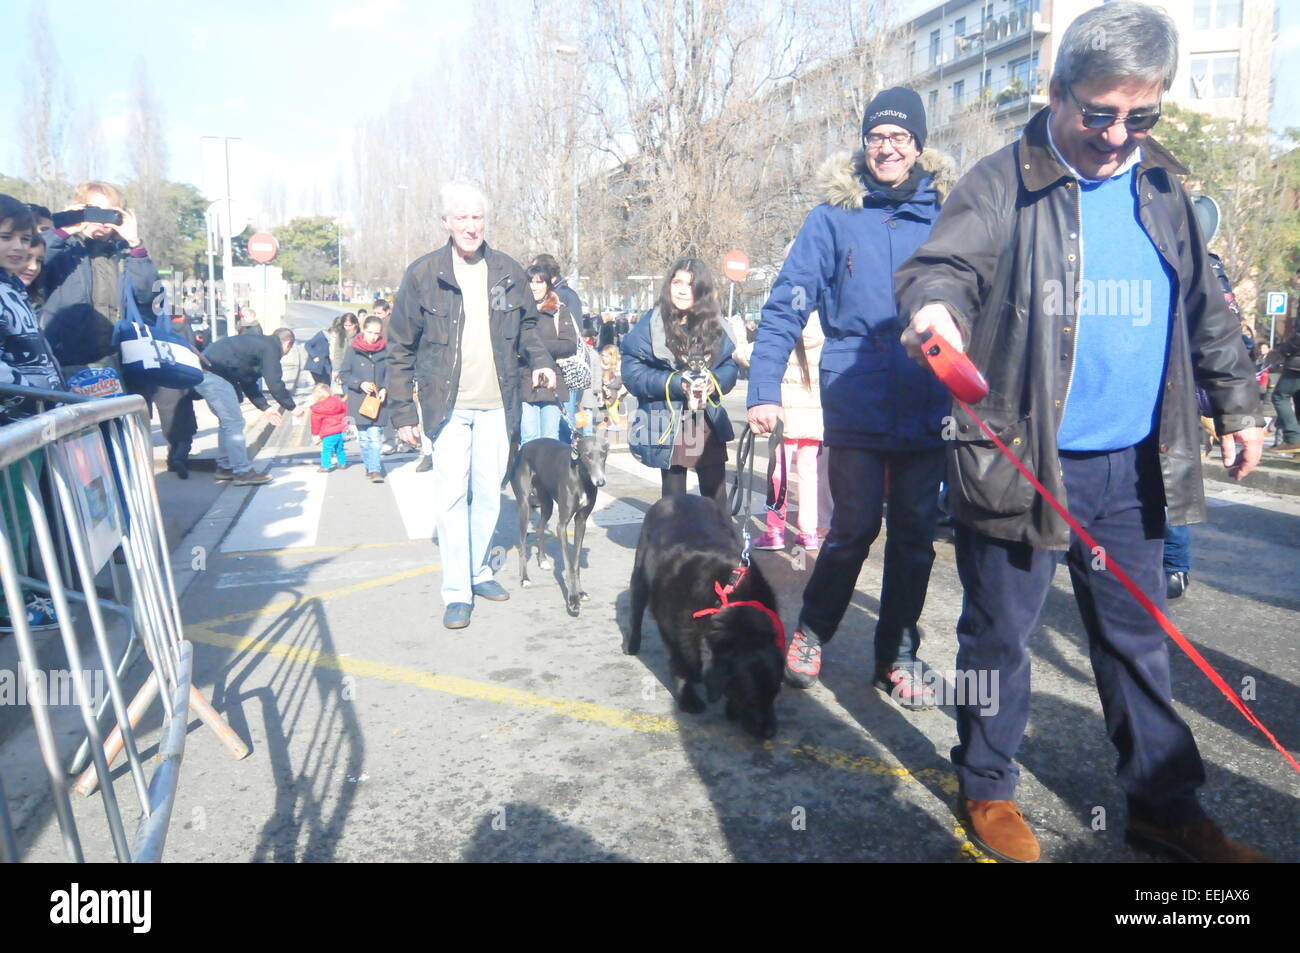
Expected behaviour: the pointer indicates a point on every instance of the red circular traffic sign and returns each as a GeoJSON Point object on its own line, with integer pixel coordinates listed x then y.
{"type": "Point", "coordinates": [735, 265]}
{"type": "Point", "coordinates": [262, 247]}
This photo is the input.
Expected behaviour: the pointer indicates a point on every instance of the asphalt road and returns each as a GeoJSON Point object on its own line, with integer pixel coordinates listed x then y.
{"type": "Point", "coordinates": [378, 735]}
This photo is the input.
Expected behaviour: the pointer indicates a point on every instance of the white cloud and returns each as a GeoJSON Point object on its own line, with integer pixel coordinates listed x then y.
{"type": "Point", "coordinates": [365, 15]}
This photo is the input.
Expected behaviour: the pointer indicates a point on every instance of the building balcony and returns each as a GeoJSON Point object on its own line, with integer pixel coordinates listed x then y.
{"type": "Point", "coordinates": [998, 35]}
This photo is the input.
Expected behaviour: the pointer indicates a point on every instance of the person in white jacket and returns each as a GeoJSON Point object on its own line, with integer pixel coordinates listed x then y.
{"type": "Point", "coordinates": [804, 455]}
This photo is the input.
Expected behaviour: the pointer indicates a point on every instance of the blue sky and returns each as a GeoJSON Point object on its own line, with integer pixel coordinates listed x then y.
{"type": "Point", "coordinates": [294, 79]}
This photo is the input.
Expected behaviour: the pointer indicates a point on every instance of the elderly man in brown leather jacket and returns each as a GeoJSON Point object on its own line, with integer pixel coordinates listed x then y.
{"type": "Point", "coordinates": [1069, 266]}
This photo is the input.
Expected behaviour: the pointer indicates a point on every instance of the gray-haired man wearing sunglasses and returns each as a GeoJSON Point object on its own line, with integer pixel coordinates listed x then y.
{"type": "Point", "coordinates": [1070, 267]}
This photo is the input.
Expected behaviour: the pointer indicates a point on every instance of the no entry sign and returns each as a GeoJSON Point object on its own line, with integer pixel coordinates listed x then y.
{"type": "Point", "coordinates": [735, 265]}
{"type": "Point", "coordinates": [262, 247]}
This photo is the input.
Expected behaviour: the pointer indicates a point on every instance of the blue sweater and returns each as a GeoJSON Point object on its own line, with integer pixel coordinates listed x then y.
{"type": "Point", "coordinates": [1122, 328]}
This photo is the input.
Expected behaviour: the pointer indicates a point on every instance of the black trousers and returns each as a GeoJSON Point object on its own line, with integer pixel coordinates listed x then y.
{"type": "Point", "coordinates": [177, 422]}
{"type": "Point", "coordinates": [861, 480]}
{"type": "Point", "coordinates": [713, 480]}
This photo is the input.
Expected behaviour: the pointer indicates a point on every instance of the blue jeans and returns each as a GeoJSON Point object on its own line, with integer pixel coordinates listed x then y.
{"type": "Point", "coordinates": [539, 420]}
{"type": "Point", "coordinates": [232, 452]}
{"type": "Point", "coordinates": [1284, 403]}
{"type": "Point", "coordinates": [1118, 497]}
{"type": "Point", "coordinates": [570, 416]}
{"type": "Point", "coordinates": [332, 446]}
{"type": "Point", "coordinates": [857, 479]}
{"type": "Point", "coordinates": [470, 453]}
{"type": "Point", "coordinates": [372, 441]}
{"type": "Point", "coordinates": [1178, 548]}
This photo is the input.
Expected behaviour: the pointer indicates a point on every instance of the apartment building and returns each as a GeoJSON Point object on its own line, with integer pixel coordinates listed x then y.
{"type": "Point", "coordinates": [992, 59]}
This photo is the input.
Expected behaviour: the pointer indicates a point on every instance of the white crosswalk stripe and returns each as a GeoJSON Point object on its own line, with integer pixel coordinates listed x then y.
{"type": "Point", "coordinates": [284, 513]}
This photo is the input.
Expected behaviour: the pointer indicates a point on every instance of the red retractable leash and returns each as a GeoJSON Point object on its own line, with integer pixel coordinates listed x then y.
{"type": "Point", "coordinates": [967, 385]}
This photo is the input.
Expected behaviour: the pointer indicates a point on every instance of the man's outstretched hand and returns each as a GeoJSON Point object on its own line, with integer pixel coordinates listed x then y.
{"type": "Point", "coordinates": [1242, 450]}
{"type": "Point", "coordinates": [936, 318]}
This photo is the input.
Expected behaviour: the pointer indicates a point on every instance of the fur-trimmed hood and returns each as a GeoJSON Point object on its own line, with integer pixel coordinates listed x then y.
{"type": "Point", "coordinates": [840, 177]}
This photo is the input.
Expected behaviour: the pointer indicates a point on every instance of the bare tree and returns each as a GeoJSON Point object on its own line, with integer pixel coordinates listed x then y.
{"type": "Point", "coordinates": [44, 114]}
{"type": "Point", "coordinates": [147, 159]}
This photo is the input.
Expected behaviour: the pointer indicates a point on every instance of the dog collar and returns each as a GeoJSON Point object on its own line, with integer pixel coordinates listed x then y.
{"type": "Point", "coordinates": [724, 600]}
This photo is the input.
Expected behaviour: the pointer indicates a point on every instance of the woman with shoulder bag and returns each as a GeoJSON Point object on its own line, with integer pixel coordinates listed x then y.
{"type": "Point", "coordinates": [678, 364]}
{"type": "Point", "coordinates": [364, 376]}
{"type": "Point", "coordinates": [540, 414]}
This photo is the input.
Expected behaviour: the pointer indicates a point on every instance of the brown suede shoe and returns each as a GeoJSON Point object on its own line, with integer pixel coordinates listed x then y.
{"type": "Point", "coordinates": [1198, 841]}
{"type": "Point", "coordinates": [998, 828]}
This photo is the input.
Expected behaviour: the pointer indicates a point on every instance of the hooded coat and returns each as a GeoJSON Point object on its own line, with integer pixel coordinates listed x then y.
{"type": "Point", "coordinates": [842, 266]}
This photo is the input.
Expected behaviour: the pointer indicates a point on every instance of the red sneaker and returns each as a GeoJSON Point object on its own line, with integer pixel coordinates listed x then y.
{"type": "Point", "coordinates": [803, 660]}
{"type": "Point", "coordinates": [904, 685]}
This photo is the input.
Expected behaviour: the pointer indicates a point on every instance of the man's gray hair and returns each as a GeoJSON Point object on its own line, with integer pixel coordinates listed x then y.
{"type": "Point", "coordinates": [1121, 40]}
{"type": "Point", "coordinates": [458, 189]}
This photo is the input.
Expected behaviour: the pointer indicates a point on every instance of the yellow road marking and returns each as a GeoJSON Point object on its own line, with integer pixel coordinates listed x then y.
{"type": "Point", "coordinates": [275, 608]}
{"type": "Point", "coordinates": [589, 712]}
{"type": "Point", "coordinates": [294, 550]}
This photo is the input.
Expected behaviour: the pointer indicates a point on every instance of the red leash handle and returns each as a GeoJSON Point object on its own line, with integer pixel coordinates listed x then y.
{"type": "Point", "coordinates": [968, 386]}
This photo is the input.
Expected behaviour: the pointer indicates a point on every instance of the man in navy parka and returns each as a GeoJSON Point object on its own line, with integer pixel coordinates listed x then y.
{"type": "Point", "coordinates": [883, 413]}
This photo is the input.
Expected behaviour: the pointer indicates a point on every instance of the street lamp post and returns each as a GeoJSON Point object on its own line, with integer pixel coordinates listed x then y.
{"type": "Point", "coordinates": [571, 53]}
{"type": "Point", "coordinates": [228, 255]}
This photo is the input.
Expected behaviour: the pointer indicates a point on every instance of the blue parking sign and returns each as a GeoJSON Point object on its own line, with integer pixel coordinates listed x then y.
{"type": "Point", "coordinates": [1277, 302]}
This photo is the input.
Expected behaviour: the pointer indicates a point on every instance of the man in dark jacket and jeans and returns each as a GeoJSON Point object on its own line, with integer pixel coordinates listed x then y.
{"type": "Point", "coordinates": [1071, 268]}
{"type": "Point", "coordinates": [234, 365]}
{"type": "Point", "coordinates": [1284, 395]}
{"type": "Point", "coordinates": [462, 319]}
{"type": "Point", "coordinates": [883, 414]}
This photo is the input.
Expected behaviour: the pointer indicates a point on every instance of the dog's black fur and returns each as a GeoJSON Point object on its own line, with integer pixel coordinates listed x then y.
{"type": "Point", "coordinates": [687, 544]}
{"type": "Point", "coordinates": [549, 473]}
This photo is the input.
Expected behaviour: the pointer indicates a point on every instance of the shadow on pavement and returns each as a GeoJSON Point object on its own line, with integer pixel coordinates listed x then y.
{"type": "Point", "coordinates": [520, 831]}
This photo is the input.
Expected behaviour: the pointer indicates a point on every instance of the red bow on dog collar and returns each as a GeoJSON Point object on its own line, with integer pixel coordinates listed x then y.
{"type": "Point", "coordinates": [724, 592]}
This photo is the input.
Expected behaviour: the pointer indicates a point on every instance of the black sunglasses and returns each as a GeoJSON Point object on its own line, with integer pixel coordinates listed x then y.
{"type": "Point", "coordinates": [1104, 119]}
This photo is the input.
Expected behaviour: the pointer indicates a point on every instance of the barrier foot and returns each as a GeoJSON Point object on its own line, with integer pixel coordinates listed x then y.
{"type": "Point", "coordinates": [88, 781]}
{"type": "Point", "coordinates": [199, 705]}
{"type": "Point", "coordinates": [203, 708]}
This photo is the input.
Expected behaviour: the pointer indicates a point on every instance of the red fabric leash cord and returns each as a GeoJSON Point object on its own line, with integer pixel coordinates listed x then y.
{"type": "Point", "coordinates": [724, 598]}
{"type": "Point", "coordinates": [968, 386]}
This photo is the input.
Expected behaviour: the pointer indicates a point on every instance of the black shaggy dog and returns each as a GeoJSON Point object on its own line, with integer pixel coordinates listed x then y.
{"type": "Point", "coordinates": [687, 544]}
{"type": "Point", "coordinates": [549, 474]}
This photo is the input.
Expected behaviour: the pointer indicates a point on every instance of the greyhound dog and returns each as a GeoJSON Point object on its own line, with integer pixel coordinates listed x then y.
{"type": "Point", "coordinates": [548, 473]}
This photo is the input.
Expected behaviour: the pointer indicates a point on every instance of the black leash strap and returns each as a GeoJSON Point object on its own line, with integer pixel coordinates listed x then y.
{"type": "Point", "coordinates": [740, 496]}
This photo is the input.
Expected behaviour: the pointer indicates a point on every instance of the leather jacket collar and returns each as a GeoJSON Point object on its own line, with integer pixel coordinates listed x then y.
{"type": "Point", "coordinates": [1040, 168]}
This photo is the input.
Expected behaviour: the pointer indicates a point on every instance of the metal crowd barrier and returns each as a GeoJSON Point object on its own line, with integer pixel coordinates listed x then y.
{"type": "Point", "coordinates": [97, 515]}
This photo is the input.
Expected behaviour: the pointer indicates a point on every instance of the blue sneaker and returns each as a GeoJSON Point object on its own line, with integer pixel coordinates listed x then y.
{"type": "Point", "coordinates": [40, 614]}
{"type": "Point", "coordinates": [492, 590]}
{"type": "Point", "coordinates": [457, 615]}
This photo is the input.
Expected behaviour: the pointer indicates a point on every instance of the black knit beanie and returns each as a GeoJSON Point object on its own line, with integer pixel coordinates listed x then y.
{"type": "Point", "coordinates": [898, 106]}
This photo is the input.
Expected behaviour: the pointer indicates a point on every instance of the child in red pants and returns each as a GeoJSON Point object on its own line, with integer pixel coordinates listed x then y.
{"type": "Point", "coordinates": [329, 421]}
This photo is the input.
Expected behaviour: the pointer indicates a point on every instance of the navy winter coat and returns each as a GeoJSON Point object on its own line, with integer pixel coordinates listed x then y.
{"type": "Point", "coordinates": [318, 354]}
{"type": "Point", "coordinates": [358, 367]}
{"type": "Point", "coordinates": [842, 266]}
{"type": "Point", "coordinates": [648, 366]}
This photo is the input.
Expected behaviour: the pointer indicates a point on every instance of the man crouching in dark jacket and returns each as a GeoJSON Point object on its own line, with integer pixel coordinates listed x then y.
{"type": "Point", "coordinates": [1070, 266]}
{"type": "Point", "coordinates": [237, 362]}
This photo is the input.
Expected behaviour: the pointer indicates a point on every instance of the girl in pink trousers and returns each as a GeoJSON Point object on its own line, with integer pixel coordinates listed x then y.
{"type": "Point", "coordinates": [802, 405]}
